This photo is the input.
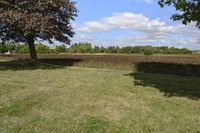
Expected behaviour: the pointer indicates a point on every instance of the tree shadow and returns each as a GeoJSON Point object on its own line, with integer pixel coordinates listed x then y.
{"type": "Point", "coordinates": [169, 68]}
{"type": "Point", "coordinates": [42, 64]}
{"type": "Point", "coordinates": [170, 85]}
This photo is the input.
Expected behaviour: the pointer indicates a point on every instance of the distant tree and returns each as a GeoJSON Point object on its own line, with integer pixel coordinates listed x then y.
{"type": "Point", "coordinates": [5, 47]}
{"type": "Point", "coordinates": [22, 48]}
{"type": "Point", "coordinates": [81, 48]}
{"type": "Point", "coordinates": [102, 49]}
{"type": "Point", "coordinates": [132, 50]}
{"type": "Point", "coordinates": [137, 49]}
{"type": "Point", "coordinates": [29, 20]}
{"type": "Point", "coordinates": [41, 48]}
{"type": "Point", "coordinates": [163, 49]}
{"type": "Point", "coordinates": [185, 51]}
{"type": "Point", "coordinates": [188, 10]}
{"type": "Point", "coordinates": [148, 50]}
{"type": "Point", "coordinates": [126, 50]}
{"type": "Point", "coordinates": [60, 49]}
{"type": "Point", "coordinates": [113, 49]}
{"type": "Point", "coordinates": [96, 49]}
{"type": "Point", "coordinates": [86, 48]}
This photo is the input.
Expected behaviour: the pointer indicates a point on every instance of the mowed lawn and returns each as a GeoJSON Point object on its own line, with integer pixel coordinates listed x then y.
{"type": "Point", "coordinates": [86, 100]}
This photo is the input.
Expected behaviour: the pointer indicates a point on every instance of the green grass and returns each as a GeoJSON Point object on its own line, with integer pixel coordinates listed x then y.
{"type": "Point", "coordinates": [86, 100]}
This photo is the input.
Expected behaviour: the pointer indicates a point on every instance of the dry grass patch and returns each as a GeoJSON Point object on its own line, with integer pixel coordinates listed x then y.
{"type": "Point", "coordinates": [97, 100]}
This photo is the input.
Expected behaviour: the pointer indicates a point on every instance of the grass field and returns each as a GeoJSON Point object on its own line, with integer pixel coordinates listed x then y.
{"type": "Point", "coordinates": [71, 99]}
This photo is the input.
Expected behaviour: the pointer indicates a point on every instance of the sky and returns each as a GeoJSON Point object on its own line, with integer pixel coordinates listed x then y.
{"type": "Point", "coordinates": [131, 23]}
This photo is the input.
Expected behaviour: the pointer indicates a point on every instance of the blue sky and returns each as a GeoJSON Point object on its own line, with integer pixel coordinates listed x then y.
{"type": "Point", "coordinates": [131, 22]}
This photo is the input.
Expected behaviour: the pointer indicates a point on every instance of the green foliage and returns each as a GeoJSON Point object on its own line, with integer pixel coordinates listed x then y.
{"type": "Point", "coordinates": [60, 48]}
{"type": "Point", "coordinates": [185, 51]}
{"type": "Point", "coordinates": [52, 50]}
{"type": "Point", "coordinates": [96, 49]}
{"type": "Point", "coordinates": [41, 48]}
{"type": "Point", "coordinates": [80, 48]}
{"type": "Point", "coordinates": [22, 48]}
{"type": "Point", "coordinates": [188, 10]}
{"type": "Point", "coordinates": [102, 49]}
{"type": "Point", "coordinates": [5, 47]}
{"type": "Point", "coordinates": [148, 50]}
{"type": "Point", "coordinates": [30, 20]}
{"type": "Point", "coordinates": [132, 50]}
{"type": "Point", "coordinates": [113, 49]}
{"type": "Point", "coordinates": [25, 20]}
{"type": "Point", "coordinates": [87, 48]}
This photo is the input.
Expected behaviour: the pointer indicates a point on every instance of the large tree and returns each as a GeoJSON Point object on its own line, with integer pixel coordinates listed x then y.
{"type": "Point", "coordinates": [32, 20]}
{"type": "Point", "coordinates": [188, 10]}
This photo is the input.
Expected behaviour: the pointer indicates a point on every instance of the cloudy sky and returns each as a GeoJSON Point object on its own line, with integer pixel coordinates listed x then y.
{"type": "Point", "coordinates": [131, 22]}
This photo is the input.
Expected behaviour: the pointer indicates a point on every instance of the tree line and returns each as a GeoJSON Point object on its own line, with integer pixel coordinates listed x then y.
{"type": "Point", "coordinates": [27, 21]}
{"type": "Point", "coordinates": [87, 48]}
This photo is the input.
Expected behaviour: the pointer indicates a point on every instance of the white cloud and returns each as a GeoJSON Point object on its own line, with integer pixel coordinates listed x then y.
{"type": "Point", "coordinates": [82, 38]}
{"type": "Point", "coordinates": [128, 20]}
{"type": "Point", "coordinates": [149, 1]}
{"type": "Point", "coordinates": [148, 32]}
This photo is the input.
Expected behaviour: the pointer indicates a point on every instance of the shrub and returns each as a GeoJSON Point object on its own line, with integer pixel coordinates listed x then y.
{"type": "Point", "coordinates": [60, 49]}
{"type": "Point", "coordinates": [148, 51]}
{"type": "Point", "coordinates": [81, 48]}
{"type": "Point", "coordinates": [5, 47]}
{"type": "Point", "coordinates": [22, 48]}
{"type": "Point", "coordinates": [169, 68]}
{"type": "Point", "coordinates": [41, 48]}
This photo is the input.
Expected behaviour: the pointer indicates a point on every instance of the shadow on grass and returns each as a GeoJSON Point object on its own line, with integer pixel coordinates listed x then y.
{"type": "Point", "coordinates": [170, 85]}
{"type": "Point", "coordinates": [43, 64]}
{"type": "Point", "coordinates": [169, 68]}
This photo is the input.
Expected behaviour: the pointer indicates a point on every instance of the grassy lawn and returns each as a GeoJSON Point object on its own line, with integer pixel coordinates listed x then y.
{"type": "Point", "coordinates": [87, 100]}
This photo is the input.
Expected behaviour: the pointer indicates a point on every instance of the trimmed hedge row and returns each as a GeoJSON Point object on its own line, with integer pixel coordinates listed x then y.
{"type": "Point", "coordinates": [169, 68]}
{"type": "Point", "coordinates": [178, 65]}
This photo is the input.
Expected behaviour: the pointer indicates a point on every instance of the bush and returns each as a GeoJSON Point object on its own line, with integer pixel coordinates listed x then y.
{"type": "Point", "coordinates": [113, 49]}
{"type": "Point", "coordinates": [148, 51]}
{"type": "Point", "coordinates": [96, 49]}
{"type": "Point", "coordinates": [22, 48]}
{"type": "Point", "coordinates": [60, 49]}
{"type": "Point", "coordinates": [41, 48]}
{"type": "Point", "coordinates": [81, 48]}
{"type": "Point", "coordinates": [169, 68]}
{"type": "Point", "coordinates": [5, 47]}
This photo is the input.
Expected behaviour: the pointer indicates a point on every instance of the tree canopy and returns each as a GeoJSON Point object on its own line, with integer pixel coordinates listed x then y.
{"type": "Point", "coordinates": [29, 20]}
{"type": "Point", "coordinates": [188, 10]}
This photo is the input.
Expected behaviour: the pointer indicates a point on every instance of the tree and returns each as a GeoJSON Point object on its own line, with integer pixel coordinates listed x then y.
{"type": "Point", "coordinates": [148, 50]}
{"type": "Point", "coordinates": [41, 48]}
{"type": "Point", "coordinates": [32, 20]}
{"type": "Point", "coordinates": [61, 49]}
{"type": "Point", "coordinates": [81, 48]}
{"type": "Point", "coordinates": [22, 48]}
{"type": "Point", "coordinates": [113, 49]}
{"type": "Point", "coordinates": [5, 47]}
{"type": "Point", "coordinates": [189, 10]}
{"type": "Point", "coordinates": [96, 49]}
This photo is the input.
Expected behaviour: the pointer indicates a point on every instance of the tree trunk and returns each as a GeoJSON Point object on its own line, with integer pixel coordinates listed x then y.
{"type": "Point", "coordinates": [32, 50]}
